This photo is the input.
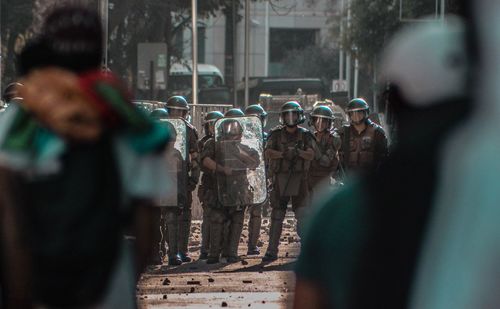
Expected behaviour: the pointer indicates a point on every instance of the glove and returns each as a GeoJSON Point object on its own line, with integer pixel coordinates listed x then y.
{"type": "Point", "coordinates": [290, 154]}
{"type": "Point", "coordinates": [324, 161]}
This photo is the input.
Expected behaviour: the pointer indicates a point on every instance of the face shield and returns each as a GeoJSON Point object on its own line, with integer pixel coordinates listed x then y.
{"type": "Point", "coordinates": [177, 113]}
{"type": "Point", "coordinates": [232, 130]}
{"type": "Point", "coordinates": [290, 118]}
{"type": "Point", "coordinates": [357, 117]}
{"type": "Point", "coordinates": [321, 124]}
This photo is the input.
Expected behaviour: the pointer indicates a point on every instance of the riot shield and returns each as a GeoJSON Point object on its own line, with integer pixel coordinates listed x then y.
{"type": "Point", "coordinates": [241, 176]}
{"type": "Point", "coordinates": [177, 158]}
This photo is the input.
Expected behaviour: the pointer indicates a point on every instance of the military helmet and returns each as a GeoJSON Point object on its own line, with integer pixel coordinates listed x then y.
{"type": "Point", "coordinates": [257, 110]}
{"type": "Point", "coordinates": [319, 114]}
{"type": "Point", "coordinates": [231, 128]}
{"type": "Point", "coordinates": [234, 112]}
{"type": "Point", "coordinates": [322, 111]}
{"type": "Point", "coordinates": [290, 108]}
{"type": "Point", "coordinates": [177, 102]}
{"type": "Point", "coordinates": [159, 113]}
{"type": "Point", "coordinates": [358, 104]}
{"type": "Point", "coordinates": [212, 116]}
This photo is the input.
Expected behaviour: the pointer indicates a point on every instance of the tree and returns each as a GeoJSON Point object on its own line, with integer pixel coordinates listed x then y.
{"type": "Point", "coordinates": [373, 23]}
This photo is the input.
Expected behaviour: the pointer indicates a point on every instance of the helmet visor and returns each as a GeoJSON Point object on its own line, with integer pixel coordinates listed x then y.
{"type": "Point", "coordinates": [290, 118]}
{"type": "Point", "coordinates": [321, 124]}
{"type": "Point", "coordinates": [357, 116]}
{"type": "Point", "coordinates": [232, 129]}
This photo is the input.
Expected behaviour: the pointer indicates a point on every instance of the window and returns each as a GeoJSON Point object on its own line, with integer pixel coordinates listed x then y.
{"type": "Point", "coordinates": [285, 40]}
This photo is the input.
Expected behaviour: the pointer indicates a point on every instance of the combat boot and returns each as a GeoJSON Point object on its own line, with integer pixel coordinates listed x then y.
{"type": "Point", "coordinates": [235, 229]}
{"type": "Point", "coordinates": [183, 235]}
{"type": "Point", "coordinates": [174, 260]}
{"type": "Point", "coordinates": [216, 230]}
{"type": "Point", "coordinates": [274, 240]}
{"type": "Point", "coordinates": [254, 225]}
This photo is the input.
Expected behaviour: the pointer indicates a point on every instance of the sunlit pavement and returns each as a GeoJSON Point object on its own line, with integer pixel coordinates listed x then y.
{"type": "Point", "coordinates": [247, 283]}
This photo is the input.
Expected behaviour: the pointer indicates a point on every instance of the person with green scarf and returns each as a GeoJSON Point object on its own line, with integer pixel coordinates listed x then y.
{"type": "Point", "coordinates": [89, 166]}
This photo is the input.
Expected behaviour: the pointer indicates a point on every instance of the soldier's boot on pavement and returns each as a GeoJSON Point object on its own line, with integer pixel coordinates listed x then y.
{"type": "Point", "coordinates": [254, 225]}
{"type": "Point", "coordinates": [277, 217]}
{"type": "Point", "coordinates": [205, 234]}
{"type": "Point", "coordinates": [184, 231]}
{"type": "Point", "coordinates": [172, 231]}
{"type": "Point", "coordinates": [235, 229]}
{"type": "Point", "coordinates": [216, 236]}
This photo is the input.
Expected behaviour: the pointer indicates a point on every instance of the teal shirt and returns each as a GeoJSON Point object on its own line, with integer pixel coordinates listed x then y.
{"type": "Point", "coordinates": [333, 239]}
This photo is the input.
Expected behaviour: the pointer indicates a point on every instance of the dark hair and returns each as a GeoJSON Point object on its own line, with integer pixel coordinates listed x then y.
{"type": "Point", "coordinates": [70, 38]}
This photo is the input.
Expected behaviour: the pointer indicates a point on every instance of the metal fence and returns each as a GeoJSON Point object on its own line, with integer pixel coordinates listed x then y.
{"type": "Point", "coordinates": [199, 111]}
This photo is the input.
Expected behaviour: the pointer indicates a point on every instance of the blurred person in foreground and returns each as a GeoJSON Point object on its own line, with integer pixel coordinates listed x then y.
{"type": "Point", "coordinates": [86, 161]}
{"type": "Point", "coordinates": [363, 245]}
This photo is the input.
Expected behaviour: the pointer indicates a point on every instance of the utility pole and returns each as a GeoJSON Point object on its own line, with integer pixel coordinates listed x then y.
{"type": "Point", "coordinates": [348, 57]}
{"type": "Point", "coordinates": [235, 51]}
{"type": "Point", "coordinates": [341, 49]}
{"type": "Point", "coordinates": [247, 50]}
{"type": "Point", "coordinates": [194, 69]}
{"type": "Point", "coordinates": [104, 13]}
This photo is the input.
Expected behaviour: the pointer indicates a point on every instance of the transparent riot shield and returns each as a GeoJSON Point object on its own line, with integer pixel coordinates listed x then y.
{"type": "Point", "coordinates": [241, 174]}
{"type": "Point", "coordinates": [177, 158]}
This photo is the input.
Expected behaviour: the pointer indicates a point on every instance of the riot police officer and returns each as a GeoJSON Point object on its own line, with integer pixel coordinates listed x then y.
{"type": "Point", "coordinates": [234, 193]}
{"type": "Point", "coordinates": [364, 143]}
{"type": "Point", "coordinates": [178, 107]}
{"type": "Point", "coordinates": [328, 141]}
{"type": "Point", "coordinates": [206, 193]}
{"type": "Point", "coordinates": [290, 150]}
{"type": "Point", "coordinates": [255, 211]}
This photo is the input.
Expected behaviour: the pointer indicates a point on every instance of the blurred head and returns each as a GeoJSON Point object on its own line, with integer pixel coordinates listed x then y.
{"type": "Point", "coordinates": [177, 107]}
{"type": "Point", "coordinates": [292, 114]}
{"type": "Point", "coordinates": [358, 111]}
{"type": "Point", "coordinates": [231, 129]}
{"type": "Point", "coordinates": [70, 38]}
{"type": "Point", "coordinates": [322, 118]}
{"type": "Point", "coordinates": [209, 122]}
{"type": "Point", "coordinates": [257, 110]}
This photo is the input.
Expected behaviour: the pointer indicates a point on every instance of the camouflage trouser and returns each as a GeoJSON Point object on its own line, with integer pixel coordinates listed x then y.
{"type": "Point", "coordinates": [279, 205]}
{"type": "Point", "coordinates": [170, 230]}
{"type": "Point", "coordinates": [184, 221]}
{"type": "Point", "coordinates": [225, 244]}
{"type": "Point", "coordinates": [157, 253]}
{"type": "Point", "coordinates": [254, 225]}
{"type": "Point", "coordinates": [205, 229]}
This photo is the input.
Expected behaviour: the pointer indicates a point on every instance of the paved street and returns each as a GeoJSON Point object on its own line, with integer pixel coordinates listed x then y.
{"type": "Point", "coordinates": [247, 283]}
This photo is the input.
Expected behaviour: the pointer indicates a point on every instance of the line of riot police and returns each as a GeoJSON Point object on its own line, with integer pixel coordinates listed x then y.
{"type": "Point", "coordinates": [244, 168]}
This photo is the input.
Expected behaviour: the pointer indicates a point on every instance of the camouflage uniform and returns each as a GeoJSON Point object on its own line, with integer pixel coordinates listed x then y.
{"type": "Point", "coordinates": [206, 197]}
{"type": "Point", "coordinates": [326, 163]}
{"type": "Point", "coordinates": [364, 151]}
{"type": "Point", "coordinates": [232, 191]}
{"type": "Point", "coordinates": [184, 217]}
{"type": "Point", "coordinates": [284, 172]}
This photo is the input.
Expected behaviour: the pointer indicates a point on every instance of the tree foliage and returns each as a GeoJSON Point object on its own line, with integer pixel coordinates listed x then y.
{"type": "Point", "coordinates": [374, 22]}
